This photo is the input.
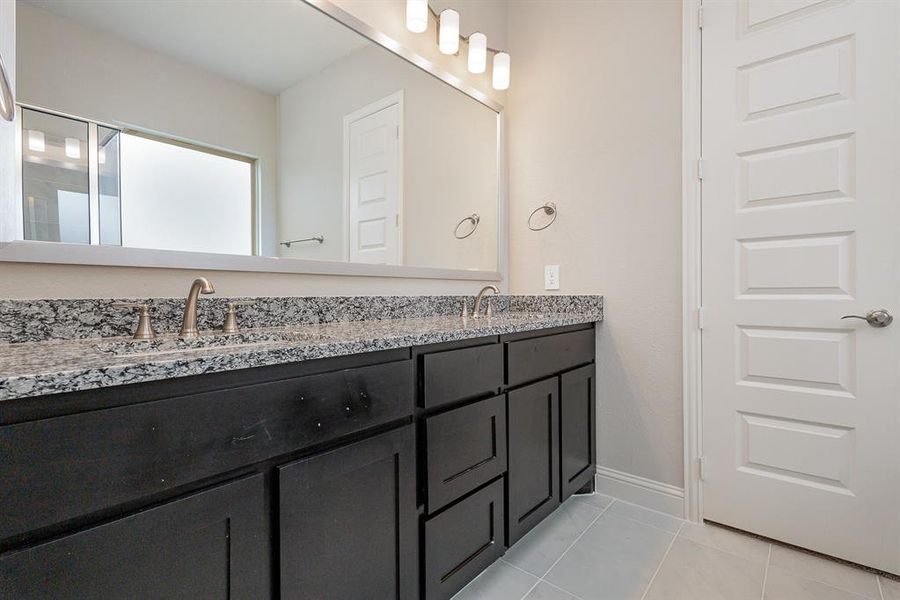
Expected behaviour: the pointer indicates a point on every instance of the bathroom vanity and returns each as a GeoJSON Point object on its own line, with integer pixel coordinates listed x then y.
{"type": "Point", "coordinates": [400, 472]}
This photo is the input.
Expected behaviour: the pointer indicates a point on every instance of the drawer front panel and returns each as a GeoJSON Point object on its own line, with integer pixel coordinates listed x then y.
{"type": "Point", "coordinates": [462, 541]}
{"type": "Point", "coordinates": [65, 467]}
{"type": "Point", "coordinates": [460, 374]}
{"type": "Point", "coordinates": [466, 448]}
{"type": "Point", "coordinates": [535, 358]}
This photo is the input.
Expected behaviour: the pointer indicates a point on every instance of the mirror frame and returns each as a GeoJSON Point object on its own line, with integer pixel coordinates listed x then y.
{"type": "Point", "coordinates": [16, 249]}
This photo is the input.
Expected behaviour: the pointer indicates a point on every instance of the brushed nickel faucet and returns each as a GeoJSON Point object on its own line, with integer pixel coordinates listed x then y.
{"type": "Point", "coordinates": [477, 310]}
{"type": "Point", "coordinates": [189, 328]}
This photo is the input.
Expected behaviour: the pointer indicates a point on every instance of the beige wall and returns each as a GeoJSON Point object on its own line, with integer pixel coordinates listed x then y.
{"type": "Point", "coordinates": [595, 126]}
{"type": "Point", "coordinates": [64, 281]}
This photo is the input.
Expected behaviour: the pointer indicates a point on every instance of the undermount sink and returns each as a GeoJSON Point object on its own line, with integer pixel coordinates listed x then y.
{"type": "Point", "coordinates": [164, 345]}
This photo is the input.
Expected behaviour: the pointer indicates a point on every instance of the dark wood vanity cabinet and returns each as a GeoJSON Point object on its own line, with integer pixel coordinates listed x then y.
{"type": "Point", "coordinates": [533, 455]}
{"type": "Point", "coordinates": [211, 544]}
{"type": "Point", "coordinates": [347, 521]}
{"type": "Point", "coordinates": [394, 474]}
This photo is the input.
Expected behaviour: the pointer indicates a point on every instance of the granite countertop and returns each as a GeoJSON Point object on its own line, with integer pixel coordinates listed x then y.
{"type": "Point", "coordinates": [55, 366]}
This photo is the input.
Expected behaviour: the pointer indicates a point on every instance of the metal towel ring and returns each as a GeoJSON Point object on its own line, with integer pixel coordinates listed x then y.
{"type": "Point", "coordinates": [549, 209]}
{"type": "Point", "coordinates": [474, 218]}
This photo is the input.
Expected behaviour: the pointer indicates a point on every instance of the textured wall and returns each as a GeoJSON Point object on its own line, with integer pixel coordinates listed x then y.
{"type": "Point", "coordinates": [595, 126]}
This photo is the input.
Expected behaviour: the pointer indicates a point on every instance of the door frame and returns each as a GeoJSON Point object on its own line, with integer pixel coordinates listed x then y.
{"type": "Point", "coordinates": [691, 256]}
{"type": "Point", "coordinates": [365, 111]}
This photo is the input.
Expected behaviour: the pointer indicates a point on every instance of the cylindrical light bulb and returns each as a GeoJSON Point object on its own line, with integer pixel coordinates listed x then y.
{"type": "Point", "coordinates": [417, 15]}
{"type": "Point", "coordinates": [477, 53]}
{"type": "Point", "coordinates": [73, 148]}
{"type": "Point", "coordinates": [448, 38]}
{"type": "Point", "coordinates": [101, 155]}
{"type": "Point", "coordinates": [501, 71]}
{"type": "Point", "coordinates": [36, 140]}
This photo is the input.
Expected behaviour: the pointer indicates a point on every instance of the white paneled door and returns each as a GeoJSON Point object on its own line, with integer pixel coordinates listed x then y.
{"type": "Point", "coordinates": [373, 183]}
{"type": "Point", "coordinates": [801, 226]}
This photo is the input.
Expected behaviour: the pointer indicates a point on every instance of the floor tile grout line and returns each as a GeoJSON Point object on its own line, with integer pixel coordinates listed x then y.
{"type": "Point", "coordinates": [661, 561]}
{"type": "Point", "coordinates": [762, 594]}
{"type": "Point", "coordinates": [561, 589]}
{"type": "Point", "coordinates": [575, 541]}
{"type": "Point", "coordinates": [541, 578]}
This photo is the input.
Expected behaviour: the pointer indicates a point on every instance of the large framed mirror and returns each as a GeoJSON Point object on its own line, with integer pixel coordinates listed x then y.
{"type": "Point", "coordinates": [272, 135]}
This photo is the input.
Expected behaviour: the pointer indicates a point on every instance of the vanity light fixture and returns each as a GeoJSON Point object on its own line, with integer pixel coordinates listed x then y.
{"type": "Point", "coordinates": [73, 148]}
{"type": "Point", "coordinates": [448, 35]}
{"type": "Point", "coordinates": [477, 52]}
{"type": "Point", "coordinates": [36, 140]}
{"type": "Point", "coordinates": [501, 71]}
{"type": "Point", "coordinates": [101, 155]}
{"type": "Point", "coordinates": [417, 15]}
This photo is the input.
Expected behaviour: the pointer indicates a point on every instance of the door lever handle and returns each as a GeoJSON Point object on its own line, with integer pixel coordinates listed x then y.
{"type": "Point", "coordinates": [876, 318]}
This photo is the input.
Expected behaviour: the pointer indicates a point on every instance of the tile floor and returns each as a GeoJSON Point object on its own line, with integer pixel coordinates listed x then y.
{"type": "Point", "coordinates": [595, 547]}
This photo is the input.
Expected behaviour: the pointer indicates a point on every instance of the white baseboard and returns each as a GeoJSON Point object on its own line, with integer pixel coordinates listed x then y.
{"type": "Point", "coordinates": [644, 492]}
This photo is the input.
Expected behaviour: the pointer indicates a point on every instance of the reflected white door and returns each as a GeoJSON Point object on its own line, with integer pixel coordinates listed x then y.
{"type": "Point", "coordinates": [801, 225]}
{"type": "Point", "coordinates": [373, 172]}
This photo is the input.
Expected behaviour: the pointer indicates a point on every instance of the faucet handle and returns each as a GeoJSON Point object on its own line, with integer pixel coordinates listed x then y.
{"type": "Point", "coordinates": [230, 325]}
{"type": "Point", "coordinates": [144, 329]}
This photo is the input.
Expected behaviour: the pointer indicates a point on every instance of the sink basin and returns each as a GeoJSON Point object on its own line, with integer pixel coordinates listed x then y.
{"type": "Point", "coordinates": [165, 345]}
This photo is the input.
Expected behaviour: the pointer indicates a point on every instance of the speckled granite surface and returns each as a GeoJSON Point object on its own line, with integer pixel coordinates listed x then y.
{"type": "Point", "coordinates": [69, 345]}
{"type": "Point", "coordinates": [39, 320]}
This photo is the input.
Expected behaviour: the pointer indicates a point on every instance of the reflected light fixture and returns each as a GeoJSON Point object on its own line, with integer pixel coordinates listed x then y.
{"type": "Point", "coordinates": [448, 37]}
{"type": "Point", "coordinates": [73, 148]}
{"type": "Point", "coordinates": [417, 15]}
{"type": "Point", "coordinates": [501, 71]}
{"type": "Point", "coordinates": [101, 156]}
{"type": "Point", "coordinates": [477, 52]}
{"type": "Point", "coordinates": [36, 140]}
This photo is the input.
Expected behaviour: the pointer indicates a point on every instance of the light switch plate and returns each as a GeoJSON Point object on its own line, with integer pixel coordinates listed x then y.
{"type": "Point", "coordinates": [551, 277]}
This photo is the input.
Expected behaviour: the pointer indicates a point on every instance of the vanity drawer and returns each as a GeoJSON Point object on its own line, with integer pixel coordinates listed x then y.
{"type": "Point", "coordinates": [61, 468]}
{"type": "Point", "coordinates": [535, 358]}
{"type": "Point", "coordinates": [466, 448]}
{"type": "Point", "coordinates": [462, 541]}
{"type": "Point", "coordinates": [455, 375]}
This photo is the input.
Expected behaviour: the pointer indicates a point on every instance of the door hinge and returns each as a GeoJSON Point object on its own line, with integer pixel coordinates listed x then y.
{"type": "Point", "coordinates": [397, 220]}
{"type": "Point", "coordinates": [700, 316]}
{"type": "Point", "coordinates": [700, 17]}
{"type": "Point", "coordinates": [700, 169]}
{"type": "Point", "coordinates": [701, 467]}
{"type": "Point", "coordinates": [397, 131]}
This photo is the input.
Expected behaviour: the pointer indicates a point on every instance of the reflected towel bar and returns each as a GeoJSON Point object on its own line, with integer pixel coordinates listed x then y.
{"type": "Point", "coordinates": [315, 238]}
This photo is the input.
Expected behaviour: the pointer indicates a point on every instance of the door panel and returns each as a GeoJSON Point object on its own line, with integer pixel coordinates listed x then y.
{"type": "Point", "coordinates": [577, 420]}
{"type": "Point", "coordinates": [800, 213]}
{"type": "Point", "coordinates": [373, 164]}
{"type": "Point", "coordinates": [533, 430]}
{"type": "Point", "coordinates": [348, 521]}
{"type": "Point", "coordinates": [213, 544]}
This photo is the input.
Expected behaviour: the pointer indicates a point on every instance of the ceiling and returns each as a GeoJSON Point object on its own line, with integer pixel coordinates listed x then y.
{"type": "Point", "coordinates": [266, 44]}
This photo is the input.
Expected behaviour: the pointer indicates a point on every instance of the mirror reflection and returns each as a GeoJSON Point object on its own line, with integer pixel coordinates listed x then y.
{"type": "Point", "coordinates": [247, 127]}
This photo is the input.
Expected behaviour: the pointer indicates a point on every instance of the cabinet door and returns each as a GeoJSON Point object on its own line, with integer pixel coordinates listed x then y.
{"type": "Point", "coordinates": [533, 432]}
{"type": "Point", "coordinates": [577, 417]}
{"type": "Point", "coordinates": [348, 521]}
{"type": "Point", "coordinates": [213, 544]}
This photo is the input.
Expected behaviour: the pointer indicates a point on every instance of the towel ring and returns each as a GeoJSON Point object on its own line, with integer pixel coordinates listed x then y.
{"type": "Point", "coordinates": [549, 209]}
{"type": "Point", "coordinates": [474, 218]}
